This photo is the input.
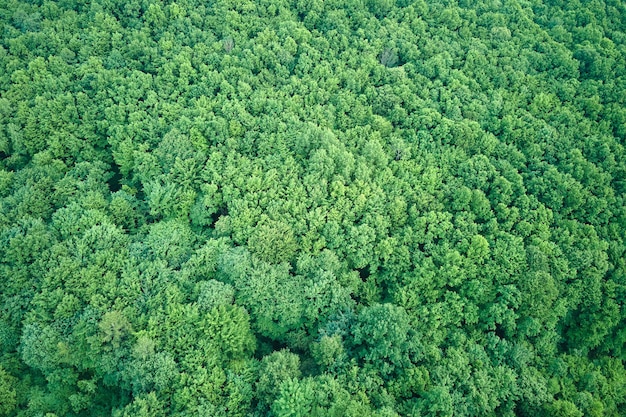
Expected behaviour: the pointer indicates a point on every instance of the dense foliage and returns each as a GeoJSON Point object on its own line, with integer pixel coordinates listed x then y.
{"type": "Point", "coordinates": [312, 208]}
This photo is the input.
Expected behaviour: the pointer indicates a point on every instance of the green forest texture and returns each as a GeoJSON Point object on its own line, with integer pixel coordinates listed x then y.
{"type": "Point", "coordinates": [290, 208]}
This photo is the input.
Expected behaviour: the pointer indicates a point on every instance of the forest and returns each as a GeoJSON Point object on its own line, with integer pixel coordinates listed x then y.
{"type": "Point", "coordinates": [326, 208]}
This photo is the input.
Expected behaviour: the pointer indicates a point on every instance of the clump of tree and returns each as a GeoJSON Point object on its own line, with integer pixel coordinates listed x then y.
{"type": "Point", "coordinates": [388, 57]}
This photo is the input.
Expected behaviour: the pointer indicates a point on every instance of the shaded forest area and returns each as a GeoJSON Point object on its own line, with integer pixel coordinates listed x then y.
{"type": "Point", "coordinates": [371, 208]}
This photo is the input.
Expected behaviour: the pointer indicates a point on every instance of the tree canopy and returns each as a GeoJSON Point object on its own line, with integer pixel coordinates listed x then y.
{"type": "Point", "coordinates": [312, 208]}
